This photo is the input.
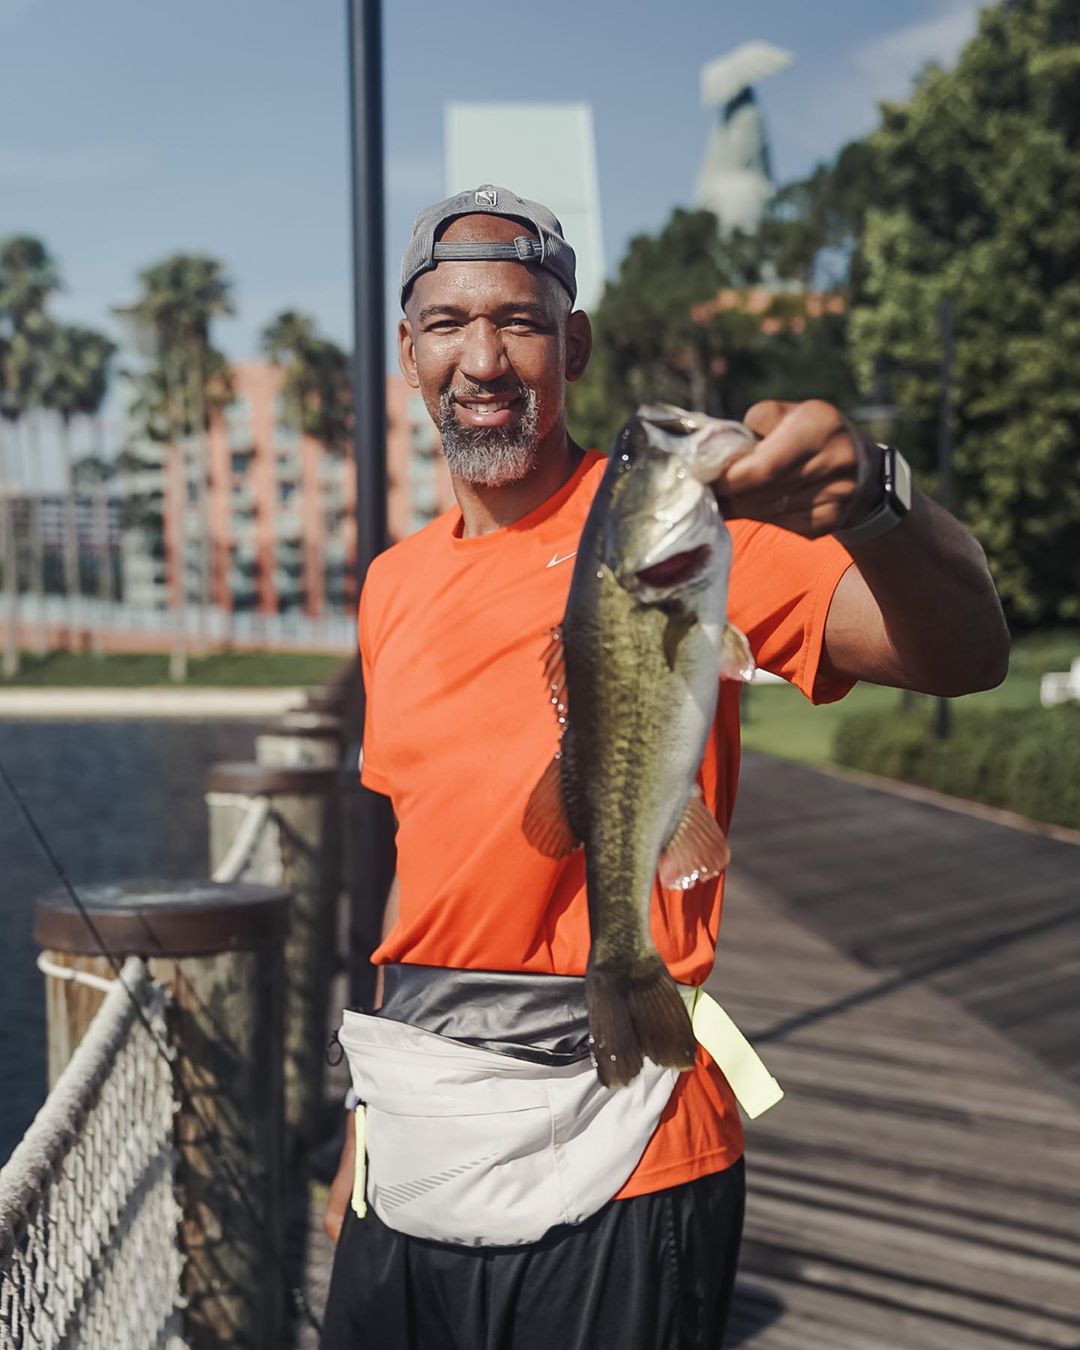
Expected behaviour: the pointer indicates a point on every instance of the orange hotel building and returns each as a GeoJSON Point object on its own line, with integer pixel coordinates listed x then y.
{"type": "Point", "coordinates": [281, 508]}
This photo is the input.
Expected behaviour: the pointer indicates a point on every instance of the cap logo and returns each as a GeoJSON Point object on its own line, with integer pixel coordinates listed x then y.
{"type": "Point", "coordinates": [488, 199]}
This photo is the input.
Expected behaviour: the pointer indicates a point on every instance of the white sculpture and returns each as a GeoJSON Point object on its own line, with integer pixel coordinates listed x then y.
{"type": "Point", "coordinates": [735, 180]}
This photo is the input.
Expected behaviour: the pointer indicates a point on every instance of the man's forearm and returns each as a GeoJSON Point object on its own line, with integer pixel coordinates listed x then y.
{"type": "Point", "coordinates": [919, 609]}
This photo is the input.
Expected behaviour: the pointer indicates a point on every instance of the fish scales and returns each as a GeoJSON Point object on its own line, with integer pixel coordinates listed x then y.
{"type": "Point", "coordinates": [644, 644]}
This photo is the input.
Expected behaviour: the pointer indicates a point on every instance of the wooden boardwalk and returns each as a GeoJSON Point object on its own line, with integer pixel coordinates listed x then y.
{"type": "Point", "coordinates": [984, 913]}
{"type": "Point", "coordinates": [919, 1186]}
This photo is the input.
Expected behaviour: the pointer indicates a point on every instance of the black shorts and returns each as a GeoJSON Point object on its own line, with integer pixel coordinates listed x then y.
{"type": "Point", "coordinates": [655, 1272]}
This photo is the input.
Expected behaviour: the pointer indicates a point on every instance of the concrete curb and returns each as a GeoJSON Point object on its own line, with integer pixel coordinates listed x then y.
{"type": "Point", "coordinates": [130, 704]}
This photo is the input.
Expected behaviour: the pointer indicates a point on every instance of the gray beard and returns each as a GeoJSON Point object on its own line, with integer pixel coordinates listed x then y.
{"type": "Point", "coordinates": [489, 456]}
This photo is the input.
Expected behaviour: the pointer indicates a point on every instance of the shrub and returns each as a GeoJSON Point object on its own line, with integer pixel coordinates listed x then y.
{"type": "Point", "coordinates": [1026, 760]}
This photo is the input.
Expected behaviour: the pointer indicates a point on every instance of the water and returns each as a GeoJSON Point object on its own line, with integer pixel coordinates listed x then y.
{"type": "Point", "coordinates": [114, 800]}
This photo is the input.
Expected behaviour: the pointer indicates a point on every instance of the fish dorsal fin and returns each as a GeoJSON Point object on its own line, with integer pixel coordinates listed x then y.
{"type": "Point", "coordinates": [697, 851]}
{"type": "Point", "coordinates": [545, 822]}
{"type": "Point", "coordinates": [554, 660]}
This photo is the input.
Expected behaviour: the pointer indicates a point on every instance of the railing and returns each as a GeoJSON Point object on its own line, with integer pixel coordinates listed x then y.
{"type": "Point", "coordinates": [145, 1207]}
{"type": "Point", "coordinates": [298, 632]}
{"type": "Point", "coordinates": [88, 1215]}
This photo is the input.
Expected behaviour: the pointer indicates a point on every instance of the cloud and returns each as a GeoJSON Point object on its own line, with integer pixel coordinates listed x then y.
{"type": "Point", "coordinates": [881, 69]}
{"type": "Point", "coordinates": [888, 64]}
{"type": "Point", "coordinates": [62, 166]}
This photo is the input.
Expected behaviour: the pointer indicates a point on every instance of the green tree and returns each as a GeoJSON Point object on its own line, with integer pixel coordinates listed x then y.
{"type": "Point", "coordinates": [705, 321]}
{"type": "Point", "coordinates": [185, 381]}
{"type": "Point", "coordinates": [979, 200]}
{"type": "Point", "coordinates": [316, 393]}
{"type": "Point", "coordinates": [28, 276]}
{"type": "Point", "coordinates": [73, 383]}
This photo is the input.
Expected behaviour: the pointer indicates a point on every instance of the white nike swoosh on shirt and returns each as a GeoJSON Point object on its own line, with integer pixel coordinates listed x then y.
{"type": "Point", "coordinates": [555, 559]}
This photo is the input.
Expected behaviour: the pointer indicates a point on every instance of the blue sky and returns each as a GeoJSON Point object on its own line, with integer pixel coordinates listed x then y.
{"type": "Point", "coordinates": [133, 128]}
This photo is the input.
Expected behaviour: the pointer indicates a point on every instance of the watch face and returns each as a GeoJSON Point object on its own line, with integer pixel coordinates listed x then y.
{"type": "Point", "coordinates": [897, 480]}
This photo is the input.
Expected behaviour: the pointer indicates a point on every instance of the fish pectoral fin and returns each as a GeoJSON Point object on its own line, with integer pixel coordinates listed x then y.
{"type": "Point", "coordinates": [545, 822]}
{"type": "Point", "coordinates": [697, 851]}
{"type": "Point", "coordinates": [736, 659]}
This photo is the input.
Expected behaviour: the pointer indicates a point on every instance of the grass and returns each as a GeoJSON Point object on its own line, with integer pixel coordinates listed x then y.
{"type": "Point", "coordinates": [778, 719]}
{"type": "Point", "coordinates": [248, 670]}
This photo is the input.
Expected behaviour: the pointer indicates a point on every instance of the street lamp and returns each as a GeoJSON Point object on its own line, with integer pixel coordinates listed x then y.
{"type": "Point", "coordinates": [371, 817]}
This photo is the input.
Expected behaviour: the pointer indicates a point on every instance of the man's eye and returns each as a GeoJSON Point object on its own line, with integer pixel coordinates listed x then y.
{"type": "Point", "coordinates": [523, 325]}
{"type": "Point", "coordinates": [442, 326]}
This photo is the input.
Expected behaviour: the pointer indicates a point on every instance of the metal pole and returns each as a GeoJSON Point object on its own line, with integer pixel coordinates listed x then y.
{"type": "Point", "coordinates": [946, 489]}
{"type": "Point", "coordinates": [371, 820]}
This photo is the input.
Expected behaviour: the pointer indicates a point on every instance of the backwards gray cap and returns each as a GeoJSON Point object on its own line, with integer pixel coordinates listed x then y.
{"type": "Point", "coordinates": [548, 250]}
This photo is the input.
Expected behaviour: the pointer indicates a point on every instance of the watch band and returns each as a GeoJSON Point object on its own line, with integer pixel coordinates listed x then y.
{"type": "Point", "coordinates": [895, 502]}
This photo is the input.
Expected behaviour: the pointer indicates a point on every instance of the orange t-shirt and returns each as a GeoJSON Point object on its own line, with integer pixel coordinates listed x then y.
{"type": "Point", "coordinates": [459, 729]}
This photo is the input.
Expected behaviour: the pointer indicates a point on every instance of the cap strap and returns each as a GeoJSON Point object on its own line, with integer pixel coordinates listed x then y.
{"type": "Point", "coordinates": [522, 249]}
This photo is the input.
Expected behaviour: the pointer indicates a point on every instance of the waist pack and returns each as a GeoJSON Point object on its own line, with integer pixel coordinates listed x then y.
{"type": "Point", "coordinates": [461, 1143]}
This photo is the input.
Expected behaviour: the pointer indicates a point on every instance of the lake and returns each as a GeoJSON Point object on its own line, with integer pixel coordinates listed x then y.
{"type": "Point", "coordinates": [114, 800]}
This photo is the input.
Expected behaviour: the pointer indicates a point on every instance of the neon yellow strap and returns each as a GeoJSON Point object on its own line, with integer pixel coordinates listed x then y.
{"type": "Point", "coordinates": [359, 1190]}
{"type": "Point", "coordinates": [751, 1082]}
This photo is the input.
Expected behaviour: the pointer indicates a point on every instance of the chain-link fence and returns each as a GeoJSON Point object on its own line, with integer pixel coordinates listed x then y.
{"type": "Point", "coordinates": [88, 1214]}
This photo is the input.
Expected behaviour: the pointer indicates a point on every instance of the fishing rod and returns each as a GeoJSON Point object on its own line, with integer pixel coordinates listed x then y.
{"type": "Point", "coordinates": [233, 1183]}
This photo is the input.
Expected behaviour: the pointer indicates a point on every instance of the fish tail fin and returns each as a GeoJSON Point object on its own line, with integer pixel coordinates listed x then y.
{"type": "Point", "coordinates": [634, 1016]}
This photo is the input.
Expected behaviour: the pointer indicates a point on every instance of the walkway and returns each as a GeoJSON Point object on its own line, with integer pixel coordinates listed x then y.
{"type": "Point", "coordinates": [918, 1189]}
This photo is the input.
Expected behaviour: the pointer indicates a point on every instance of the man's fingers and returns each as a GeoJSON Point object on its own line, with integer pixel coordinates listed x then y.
{"type": "Point", "coordinates": [809, 438]}
{"type": "Point", "coordinates": [807, 508]}
{"type": "Point", "coordinates": [767, 415]}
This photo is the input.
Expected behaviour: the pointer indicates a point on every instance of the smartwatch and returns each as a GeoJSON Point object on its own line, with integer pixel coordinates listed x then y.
{"type": "Point", "coordinates": [895, 500]}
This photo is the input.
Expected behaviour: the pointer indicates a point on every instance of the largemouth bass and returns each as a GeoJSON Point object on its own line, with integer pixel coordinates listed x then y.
{"type": "Point", "coordinates": [634, 675]}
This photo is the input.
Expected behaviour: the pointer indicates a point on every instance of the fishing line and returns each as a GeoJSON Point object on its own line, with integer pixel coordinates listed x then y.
{"type": "Point", "coordinates": [233, 1184]}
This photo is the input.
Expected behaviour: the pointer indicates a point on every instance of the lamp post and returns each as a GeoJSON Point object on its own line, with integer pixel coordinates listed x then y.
{"type": "Point", "coordinates": [372, 820]}
{"type": "Point", "coordinates": [946, 488]}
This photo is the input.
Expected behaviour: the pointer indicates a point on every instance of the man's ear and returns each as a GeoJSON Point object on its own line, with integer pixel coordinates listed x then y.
{"type": "Point", "coordinates": [405, 354]}
{"type": "Point", "coordinates": [578, 344]}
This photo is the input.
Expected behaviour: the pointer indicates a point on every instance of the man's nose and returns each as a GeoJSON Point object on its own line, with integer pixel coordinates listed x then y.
{"type": "Point", "coordinates": [483, 356]}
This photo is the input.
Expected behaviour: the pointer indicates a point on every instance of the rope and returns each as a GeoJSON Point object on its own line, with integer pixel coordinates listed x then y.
{"type": "Point", "coordinates": [236, 860]}
{"type": "Point", "coordinates": [86, 977]}
{"type": "Point", "coordinates": [165, 1055]}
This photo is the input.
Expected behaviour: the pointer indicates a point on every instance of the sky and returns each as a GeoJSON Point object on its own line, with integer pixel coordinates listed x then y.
{"type": "Point", "coordinates": [131, 129]}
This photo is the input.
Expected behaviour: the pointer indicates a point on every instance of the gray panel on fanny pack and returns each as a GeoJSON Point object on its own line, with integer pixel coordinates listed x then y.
{"type": "Point", "coordinates": [539, 1018]}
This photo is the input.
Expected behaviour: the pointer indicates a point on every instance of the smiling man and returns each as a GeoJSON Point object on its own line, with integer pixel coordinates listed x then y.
{"type": "Point", "coordinates": [495, 1215]}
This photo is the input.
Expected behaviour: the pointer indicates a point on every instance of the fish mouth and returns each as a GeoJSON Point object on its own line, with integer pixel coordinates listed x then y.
{"type": "Point", "coordinates": [677, 570]}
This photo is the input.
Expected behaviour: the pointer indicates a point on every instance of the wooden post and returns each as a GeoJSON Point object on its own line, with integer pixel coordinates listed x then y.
{"type": "Point", "coordinates": [301, 738]}
{"type": "Point", "coordinates": [219, 950]}
{"type": "Point", "coordinates": [300, 848]}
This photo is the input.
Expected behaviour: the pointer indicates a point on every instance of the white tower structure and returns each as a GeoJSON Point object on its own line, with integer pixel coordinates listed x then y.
{"type": "Point", "coordinates": [543, 151]}
{"type": "Point", "coordinates": [735, 180]}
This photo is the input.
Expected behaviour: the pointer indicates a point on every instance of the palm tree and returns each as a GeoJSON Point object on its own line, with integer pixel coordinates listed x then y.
{"type": "Point", "coordinates": [8, 417]}
{"type": "Point", "coordinates": [73, 382]}
{"type": "Point", "coordinates": [316, 393]}
{"type": "Point", "coordinates": [186, 381]}
{"type": "Point", "coordinates": [92, 474]}
{"type": "Point", "coordinates": [28, 276]}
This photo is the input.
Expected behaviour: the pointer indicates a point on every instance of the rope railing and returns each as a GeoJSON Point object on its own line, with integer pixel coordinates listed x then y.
{"type": "Point", "coordinates": [250, 837]}
{"type": "Point", "coordinates": [88, 1214]}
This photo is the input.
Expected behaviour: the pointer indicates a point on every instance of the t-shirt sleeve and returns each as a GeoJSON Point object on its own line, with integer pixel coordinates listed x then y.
{"type": "Point", "coordinates": [780, 592]}
{"type": "Point", "coordinates": [371, 774]}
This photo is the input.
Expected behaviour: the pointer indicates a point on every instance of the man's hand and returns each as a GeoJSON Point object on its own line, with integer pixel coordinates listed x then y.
{"type": "Point", "coordinates": [813, 472]}
{"type": "Point", "coordinates": [918, 609]}
{"type": "Point", "coordinates": [340, 1195]}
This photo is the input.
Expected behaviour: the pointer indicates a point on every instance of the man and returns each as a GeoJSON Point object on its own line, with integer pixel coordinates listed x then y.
{"type": "Point", "coordinates": [453, 624]}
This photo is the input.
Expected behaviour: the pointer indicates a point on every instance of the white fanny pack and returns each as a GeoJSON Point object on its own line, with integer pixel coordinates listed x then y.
{"type": "Point", "coordinates": [470, 1146]}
